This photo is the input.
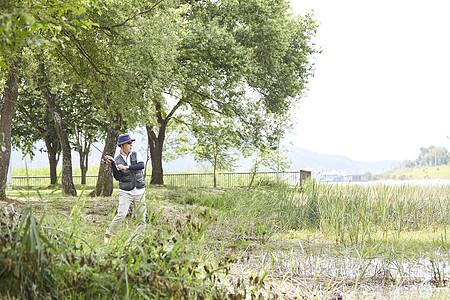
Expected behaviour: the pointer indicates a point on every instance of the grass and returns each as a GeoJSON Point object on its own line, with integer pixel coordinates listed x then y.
{"type": "Point", "coordinates": [422, 172]}
{"type": "Point", "coordinates": [317, 241]}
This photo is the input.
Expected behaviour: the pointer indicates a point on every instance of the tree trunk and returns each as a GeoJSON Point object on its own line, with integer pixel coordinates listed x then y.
{"type": "Point", "coordinates": [52, 154]}
{"type": "Point", "coordinates": [254, 169]}
{"type": "Point", "coordinates": [104, 185]}
{"type": "Point", "coordinates": [66, 177]}
{"type": "Point", "coordinates": [10, 99]}
{"type": "Point", "coordinates": [156, 143]}
{"type": "Point", "coordinates": [156, 148]}
{"type": "Point", "coordinates": [215, 168]}
{"type": "Point", "coordinates": [84, 168]}
{"type": "Point", "coordinates": [84, 156]}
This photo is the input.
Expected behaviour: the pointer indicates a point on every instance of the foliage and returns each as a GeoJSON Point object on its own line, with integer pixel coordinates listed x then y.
{"type": "Point", "coordinates": [214, 141]}
{"type": "Point", "coordinates": [238, 45]}
{"type": "Point", "coordinates": [40, 261]}
{"type": "Point", "coordinates": [32, 122]}
{"type": "Point", "coordinates": [29, 22]}
{"type": "Point", "coordinates": [433, 156]}
{"type": "Point", "coordinates": [346, 213]}
{"type": "Point", "coordinates": [311, 241]}
{"type": "Point", "coordinates": [421, 172]}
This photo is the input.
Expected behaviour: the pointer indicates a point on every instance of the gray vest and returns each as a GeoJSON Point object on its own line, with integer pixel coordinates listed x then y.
{"type": "Point", "coordinates": [130, 178]}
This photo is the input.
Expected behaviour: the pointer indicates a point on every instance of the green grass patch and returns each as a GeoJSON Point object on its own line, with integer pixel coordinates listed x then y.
{"type": "Point", "coordinates": [423, 172]}
{"type": "Point", "coordinates": [224, 243]}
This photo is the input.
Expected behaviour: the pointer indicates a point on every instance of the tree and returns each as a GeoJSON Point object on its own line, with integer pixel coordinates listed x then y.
{"type": "Point", "coordinates": [10, 94]}
{"type": "Point", "coordinates": [104, 181]}
{"type": "Point", "coordinates": [270, 158]}
{"type": "Point", "coordinates": [43, 80]}
{"type": "Point", "coordinates": [33, 122]}
{"type": "Point", "coordinates": [214, 140]}
{"type": "Point", "coordinates": [86, 125]}
{"type": "Point", "coordinates": [409, 164]}
{"type": "Point", "coordinates": [24, 23]}
{"type": "Point", "coordinates": [115, 61]}
{"type": "Point", "coordinates": [232, 47]}
{"type": "Point", "coordinates": [433, 156]}
{"type": "Point", "coordinates": [264, 145]}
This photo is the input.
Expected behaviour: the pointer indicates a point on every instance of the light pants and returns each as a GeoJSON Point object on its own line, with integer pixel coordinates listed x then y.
{"type": "Point", "coordinates": [140, 211]}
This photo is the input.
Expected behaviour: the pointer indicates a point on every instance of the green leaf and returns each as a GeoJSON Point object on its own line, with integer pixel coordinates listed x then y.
{"type": "Point", "coordinates": [29, 19]}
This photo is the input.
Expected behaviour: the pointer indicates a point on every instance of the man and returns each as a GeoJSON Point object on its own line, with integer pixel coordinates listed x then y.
{"type": "Point", "coordinates": [127, 169]}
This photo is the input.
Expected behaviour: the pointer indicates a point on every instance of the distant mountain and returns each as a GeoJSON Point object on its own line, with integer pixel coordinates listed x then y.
{"type": "Point", "coordinates": [325, 163]}
{"type": "Point", "coordinates": [302, 159]}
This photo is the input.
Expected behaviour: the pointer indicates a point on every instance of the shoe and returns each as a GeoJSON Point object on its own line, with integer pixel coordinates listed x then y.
{"type": "Point", "coordinates": [106, 239]}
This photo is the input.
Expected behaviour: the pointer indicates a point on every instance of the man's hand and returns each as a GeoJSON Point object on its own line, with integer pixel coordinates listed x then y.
{"type": "Point", "coordinates": [109, 158]}
{"type": "Point", "coordinates": [122, 167]}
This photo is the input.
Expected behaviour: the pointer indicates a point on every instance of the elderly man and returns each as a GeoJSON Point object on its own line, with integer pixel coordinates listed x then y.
{"type": "Point", "coordinates": [127, 169]}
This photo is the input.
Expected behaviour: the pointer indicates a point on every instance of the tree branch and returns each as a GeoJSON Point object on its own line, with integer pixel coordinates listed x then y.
{"type": "Point", "coordinates": [84, 53]}
{"type": "Point", "coordinates": [158, 111]}
{"type": "Point", "coordinates": [234, 109]}
{"type": "Point", "coordinates": [151, 132]}
{"type": "Point", "coordinates": [113, 32]}
{"type": "Point", "coordinates": [138, 14]}
{"type": "Point", "coordinates": [69, 62]}
{"type": "Point", "coordinates": [169, 116]}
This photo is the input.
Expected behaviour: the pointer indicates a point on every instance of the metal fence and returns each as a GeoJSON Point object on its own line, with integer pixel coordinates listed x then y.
{"type": "Point", "coordinates": [223, 179]}
{"type": "Point", "coordinates": [43, 181]}
{"type": "Point", "coordinates": [235, 179]}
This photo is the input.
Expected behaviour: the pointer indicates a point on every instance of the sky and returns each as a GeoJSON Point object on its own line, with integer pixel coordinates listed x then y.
{"type": "Point", "coordinates": [381, 89]}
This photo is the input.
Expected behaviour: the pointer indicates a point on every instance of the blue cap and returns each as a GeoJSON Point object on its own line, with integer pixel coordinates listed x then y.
{"type": "Point", "coordinates": [124, 138]}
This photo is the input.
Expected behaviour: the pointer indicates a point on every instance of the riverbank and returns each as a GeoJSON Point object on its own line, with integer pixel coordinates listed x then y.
{"type": "Point", "coordinates": [320, 241]}
{"type": "Point", "coordinates": [410, 182]}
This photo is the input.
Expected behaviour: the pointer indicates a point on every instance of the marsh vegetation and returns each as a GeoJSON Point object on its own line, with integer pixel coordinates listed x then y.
{"type": "Point", "coordinates": [317, 241]}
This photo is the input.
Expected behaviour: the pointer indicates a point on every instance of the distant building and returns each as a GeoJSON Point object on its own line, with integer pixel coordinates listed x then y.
{"type": "Point", "coordinates": [338, 177]}
{"type": "Point", "coordinates": [355, 177]}
{"type": "Point", "coordinates": [332, 177]}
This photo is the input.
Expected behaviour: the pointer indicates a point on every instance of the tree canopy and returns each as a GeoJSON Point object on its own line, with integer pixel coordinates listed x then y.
{"type": "Point", "coordinates": [433, 156]}
{"type": "Point", "coordinates": [244, 60]}
{"type": "Point", "coordinates": [154, 63]}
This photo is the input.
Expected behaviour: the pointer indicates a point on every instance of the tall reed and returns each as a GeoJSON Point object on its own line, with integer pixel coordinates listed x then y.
{"type": "Point", "coordinates": [349, 213]}
{"type": "Point", "coordinates": [355, 213]}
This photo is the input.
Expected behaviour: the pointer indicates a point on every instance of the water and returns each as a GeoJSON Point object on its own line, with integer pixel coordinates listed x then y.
{"type": "Point", "coordinates": [357, 274]}
{"type": "Point", "coordinates": [411, 182]}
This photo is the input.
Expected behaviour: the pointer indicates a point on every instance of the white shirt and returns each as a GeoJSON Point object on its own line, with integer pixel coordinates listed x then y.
{"type": "Point", "coordinates": [127, 159]}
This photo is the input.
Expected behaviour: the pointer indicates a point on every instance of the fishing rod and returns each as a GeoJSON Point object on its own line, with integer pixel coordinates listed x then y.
{"type": "Point", "coordinates": [104, 159]}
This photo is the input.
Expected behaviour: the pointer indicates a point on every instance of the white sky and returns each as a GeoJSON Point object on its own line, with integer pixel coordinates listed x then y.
{"type": "Point", "coordinates": [382, 84]}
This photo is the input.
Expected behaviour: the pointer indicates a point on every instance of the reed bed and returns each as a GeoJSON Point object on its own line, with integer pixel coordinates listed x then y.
{"type": "Point", "coordinates": [346, 213]}
{"type": "Point", "coordinates": [355, 213]}
{"type": "Point", "coordinates": [291, 242]}
{"type": "Point", "coordinates": [339, 239]}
